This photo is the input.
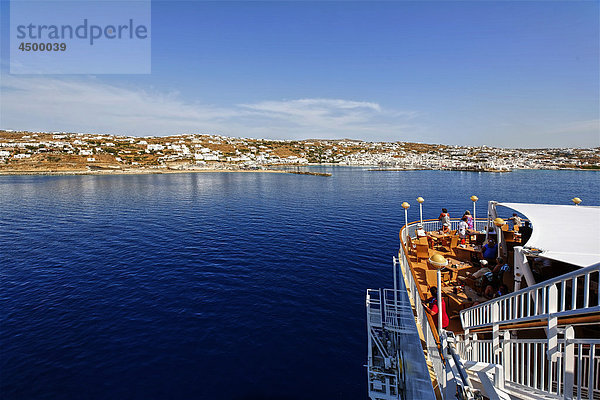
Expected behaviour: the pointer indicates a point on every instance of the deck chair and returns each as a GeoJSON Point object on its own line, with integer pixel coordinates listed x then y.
{"type": "Point", "coordinates": [422, 252]}
{"type": "Point", "coordinates": [432, 242]}
{"type": "Point", "coordinates": [446, 276]}
{"type": "Point", "coordinates": [431, 277]}
{"type": "Point", "coordinates": [453, 244]}
{"type": "Point", "coordinates": [444, 242]}
{"type": "Point", "coordinates": [411, 246]}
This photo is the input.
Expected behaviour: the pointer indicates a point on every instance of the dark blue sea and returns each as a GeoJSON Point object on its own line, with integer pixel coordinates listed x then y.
{"type": "Point", "coordinates": [214, 285]}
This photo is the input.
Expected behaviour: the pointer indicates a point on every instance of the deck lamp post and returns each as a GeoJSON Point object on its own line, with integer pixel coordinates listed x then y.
{"type": "Point", "coordinates": [474, 200]}
{"type": "Point", "coordinates": [406, 206]}
{"type": "Point", "coordinates": [421, 200]}
{"type": "Point", "coordinates": [576, 200]}
{"type": "Point", "coordinates": [439, 262]}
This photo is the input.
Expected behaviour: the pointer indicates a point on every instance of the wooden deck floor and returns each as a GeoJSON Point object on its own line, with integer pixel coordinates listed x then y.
{"type": "Point", "coordinates": [420, 267]}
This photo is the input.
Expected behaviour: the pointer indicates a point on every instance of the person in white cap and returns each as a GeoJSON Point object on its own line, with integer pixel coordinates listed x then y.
{"type": "Point", "coordinates": [420, 231]}
{"type": "Point", "coordinates": [482, 271]}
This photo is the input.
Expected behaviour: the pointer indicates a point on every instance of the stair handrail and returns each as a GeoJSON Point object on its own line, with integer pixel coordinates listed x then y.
{"type": "Point", "coordinates": [518, 307]}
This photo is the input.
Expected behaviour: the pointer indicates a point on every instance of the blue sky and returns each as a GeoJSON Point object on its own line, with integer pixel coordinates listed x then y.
{"type": "Point", "coordinates": [510, 74]}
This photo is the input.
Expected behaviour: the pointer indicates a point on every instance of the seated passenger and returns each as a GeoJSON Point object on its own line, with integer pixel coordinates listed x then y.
{"type": "Point", "coordinates": [502, 290]}
{"type": "Point", "coordinates": [500, 268]}
{"type": "Point", "coordinates": [489, 291]}
{"type": "Point", "coordinates": [482, 271]}
{"type": "Point", "coordinates": [489, 284]}
{"type": "Point", "coordinates": [445, 228]}
{"type": "Point", "coordinates": [489, 251]}
{"type": "Point", "coordinates": [420, 231]}
{"type": "Point", "coordinates": [431, 307]}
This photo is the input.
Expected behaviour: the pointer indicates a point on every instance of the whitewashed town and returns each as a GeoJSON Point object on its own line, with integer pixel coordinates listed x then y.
{"type": "Point", "coordinates": [40, 152]}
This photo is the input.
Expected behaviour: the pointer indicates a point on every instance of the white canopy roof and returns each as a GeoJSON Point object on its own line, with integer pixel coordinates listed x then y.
{"type": "Point", "coordinates": [564, 233]}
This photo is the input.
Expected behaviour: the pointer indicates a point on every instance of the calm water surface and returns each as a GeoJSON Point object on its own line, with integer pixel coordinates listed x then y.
{"type": "Point", "coordinates": [213, 286]}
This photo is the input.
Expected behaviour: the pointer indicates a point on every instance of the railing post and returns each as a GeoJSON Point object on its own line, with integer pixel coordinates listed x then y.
{"type": "Point", "coordinates": [495, 311]}
{"type": "Point", "coordinates": [475, 350]}
{"type": "Point", "coordinates": [507, 356]}
{"type": "Point", "coordinates": [569, 363]}
{"type": "Point", "coordinates": [592, 365]}
{"type": "Point", "coordinates": [552, 324]}
{"type": "Point", "coordinates": [499, 376]}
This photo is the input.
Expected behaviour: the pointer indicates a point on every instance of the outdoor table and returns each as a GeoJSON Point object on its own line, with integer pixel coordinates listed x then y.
{"type": "Point", "coordinates": [456, 267]}
{"type": "Point", "coordinates": [464, 298]}
{"type": "Point", "coordinates": [464, 252]}
{"type": "Point", "coordinates": [439, 236]}
{"type": "Point", "coordinates": [440, 239]}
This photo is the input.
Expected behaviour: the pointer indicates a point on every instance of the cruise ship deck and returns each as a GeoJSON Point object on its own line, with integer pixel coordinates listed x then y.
{"type": "Point", "coordinates": [536, 338]}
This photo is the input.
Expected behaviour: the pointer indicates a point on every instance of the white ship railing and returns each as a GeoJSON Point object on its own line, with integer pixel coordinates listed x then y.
{"type": "Point", "coordinates": [571, 294]}
{"type": "Point", "coordinates": [381, 312]}
{"type": "Point", "coordinates": [422, 317]}
{"type": "Point", "coordinates": [391, 314]}
{"type": "Point", "coordinates": [446, 373]}
{"type": "Point", "coordinates": [431, 225]}
{"type": "Point", "coordinates": [575, 374]}
{"type": "Point", "coordinates": [392, 339]}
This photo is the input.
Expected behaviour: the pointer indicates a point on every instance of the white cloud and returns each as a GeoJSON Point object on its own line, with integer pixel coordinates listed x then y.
{"type": "Point", "coordinates": [592, 125]}
{"type": "Point", "coordinates": [312, 106]}
{"type": "Point", "coordinates": [87, 105]}
{"type": "Point", "coordinates": [585, 133]}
